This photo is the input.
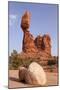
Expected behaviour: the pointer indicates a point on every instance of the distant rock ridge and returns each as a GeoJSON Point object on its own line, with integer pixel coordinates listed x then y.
{"type": "Point", "coordinates": [40, 45]}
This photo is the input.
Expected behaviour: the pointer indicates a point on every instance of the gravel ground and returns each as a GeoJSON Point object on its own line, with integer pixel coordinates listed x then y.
{"type": "Point", "coordinates": [52, 79]}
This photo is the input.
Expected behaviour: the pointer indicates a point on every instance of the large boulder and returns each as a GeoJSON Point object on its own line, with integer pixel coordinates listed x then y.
{"type": "Point", "coordinates": [34, 75]}
{"type": "Point", "coordinates": [38, 73]}
{"type": "Point", "coordinates": [25, 21]}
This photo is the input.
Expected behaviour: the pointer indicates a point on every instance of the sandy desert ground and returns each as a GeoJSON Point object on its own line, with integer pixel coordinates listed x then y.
{"type": "Point", "coordinates": [52, 79]}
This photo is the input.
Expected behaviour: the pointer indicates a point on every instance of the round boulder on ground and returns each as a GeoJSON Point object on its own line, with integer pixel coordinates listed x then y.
{"type": "Point", "coordinates": [39, 76]}
{"type": "Point", "coordinates": [34, 75]}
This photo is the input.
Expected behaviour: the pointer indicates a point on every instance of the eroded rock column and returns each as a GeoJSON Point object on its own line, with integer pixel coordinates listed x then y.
{"type": "Point", "coordinates": [28, 45]}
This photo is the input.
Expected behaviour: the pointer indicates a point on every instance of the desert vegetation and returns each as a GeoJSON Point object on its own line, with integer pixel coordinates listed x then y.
{"type": "Point", "coordinates": [15, 61]}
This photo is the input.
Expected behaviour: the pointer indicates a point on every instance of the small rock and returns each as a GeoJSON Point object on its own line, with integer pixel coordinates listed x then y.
{"type": "Point", "coordinates": [22, 72]}
{"type": "Point", "coordinates": [26, 76]}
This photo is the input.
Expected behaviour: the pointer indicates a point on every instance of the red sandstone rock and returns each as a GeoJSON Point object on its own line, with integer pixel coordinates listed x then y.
{"type": "Point", "coordinates": [40, 47]}
{"type": "Point", "coordinates": [38, 42]}
{"type": "Point", "coordinates": [47, 43]}
{"type": "Point", "coordinates": [43, 43]}
{"type": "Point", "coordinates": [28, 43]}
{"type": "Point", "coordinates": [25, 21]}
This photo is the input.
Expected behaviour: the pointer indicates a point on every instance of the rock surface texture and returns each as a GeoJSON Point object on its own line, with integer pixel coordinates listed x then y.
{"type": "Point", "coordinates": [34, 75]}
{"type": "Point", "coordinates": [31, 45]}
{"type": "Point", "coordinates": [38, 73]}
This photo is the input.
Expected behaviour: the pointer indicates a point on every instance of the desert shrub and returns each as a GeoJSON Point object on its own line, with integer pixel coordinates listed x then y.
{"type": "Point", "coordinates": [15, 61]}
{"type": "Point", "coordinates": [26, 62]}
{"type": "Point", "coordinates": [15, 64]}
{"type": "Point", "coordinates": [51, 62]}
{"type": "Point", "coordinates": [10, 67]}
{"type": "Point", "coordinates": [20, 62]}
{"type": "Point", "coordinates": [51, 68]}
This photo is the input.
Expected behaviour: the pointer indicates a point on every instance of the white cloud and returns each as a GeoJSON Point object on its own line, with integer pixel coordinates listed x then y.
{"type": "Point", "coordinates": [12, 19]}
{"type": "Point", "coordinates": [12, 16]}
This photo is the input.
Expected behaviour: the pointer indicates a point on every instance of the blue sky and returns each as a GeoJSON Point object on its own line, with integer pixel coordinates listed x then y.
{"type": "Point", "coordinates": [43, 21]}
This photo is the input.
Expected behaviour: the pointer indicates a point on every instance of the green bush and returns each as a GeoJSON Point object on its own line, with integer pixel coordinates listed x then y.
{"type": "Point", "coordinates": [51, 68]}
{"type": "Point", "coordinates": [51, 62]}
{"type": "Point", "coordinates": [15, 62]}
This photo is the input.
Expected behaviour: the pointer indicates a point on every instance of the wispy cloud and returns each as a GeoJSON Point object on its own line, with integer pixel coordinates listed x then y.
{"type": "Point", "coordinates": [12, 16]}
{"type": "Point", "coordinates": [12, 19]}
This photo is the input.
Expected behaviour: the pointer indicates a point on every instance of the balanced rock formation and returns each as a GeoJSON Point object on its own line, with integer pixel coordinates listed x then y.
{"type": "Point", "coordinates": [41, 44]}
{"type": "Point", "coordinates": [34, 75]}
{"type": "Point", "coordinates": [28, 39]}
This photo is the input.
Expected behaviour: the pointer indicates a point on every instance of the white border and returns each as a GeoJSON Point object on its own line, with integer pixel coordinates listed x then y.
{"type": "Point", "coordinates": [4, 42]}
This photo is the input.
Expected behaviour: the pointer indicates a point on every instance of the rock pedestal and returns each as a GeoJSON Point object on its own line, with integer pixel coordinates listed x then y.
{"type": "Point", "coordinates": [28, 43]}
